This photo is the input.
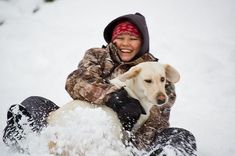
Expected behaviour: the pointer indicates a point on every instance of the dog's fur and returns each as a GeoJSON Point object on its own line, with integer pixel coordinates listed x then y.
{"type": "Point", "coordinates": [145, 82]}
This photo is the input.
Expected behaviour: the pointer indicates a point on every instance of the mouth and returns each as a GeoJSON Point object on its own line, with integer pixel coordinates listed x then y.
{"type": "Point", "coordinates": [126, 50]}
{"type": "Point", "coordinates": [160, 104]}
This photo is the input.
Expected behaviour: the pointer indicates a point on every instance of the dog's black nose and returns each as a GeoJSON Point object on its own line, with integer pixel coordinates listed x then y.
{"type": "Point", "coordinates": [160, 101]}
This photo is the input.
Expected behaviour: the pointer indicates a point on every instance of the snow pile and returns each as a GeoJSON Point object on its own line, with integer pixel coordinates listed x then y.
{"type": "Point", "coordinates": [87, 132]}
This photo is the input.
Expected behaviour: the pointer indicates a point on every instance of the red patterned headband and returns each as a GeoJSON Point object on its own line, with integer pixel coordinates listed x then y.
{"type": "Point", "coordinates": [125, 28]}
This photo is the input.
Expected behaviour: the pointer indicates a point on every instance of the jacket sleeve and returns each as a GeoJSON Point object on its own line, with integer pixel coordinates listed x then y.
{"type": "Point", "coordinates": [86, 83]}
{"type": "Point", "coordinates": [157, 121]}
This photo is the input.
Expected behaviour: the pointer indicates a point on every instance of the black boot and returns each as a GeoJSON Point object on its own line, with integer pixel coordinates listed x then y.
{"type": "Point", "coordinates": [19, 123]}
{"type": "Point", "coordinates": [29, 116]}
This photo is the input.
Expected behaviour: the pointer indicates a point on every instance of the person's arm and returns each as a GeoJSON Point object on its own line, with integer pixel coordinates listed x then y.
{"type": "Point", "coordinates": [86, 83]}
{"type": "Point", "coordinates": [158, 120]}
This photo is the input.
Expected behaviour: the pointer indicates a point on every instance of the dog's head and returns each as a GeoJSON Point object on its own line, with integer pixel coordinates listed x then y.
{"type": "Point", "coordinates": [147, 80]}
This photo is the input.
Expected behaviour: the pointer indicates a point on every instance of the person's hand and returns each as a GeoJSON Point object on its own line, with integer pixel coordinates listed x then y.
{"type": "Point", "coordinates": [127, 108]}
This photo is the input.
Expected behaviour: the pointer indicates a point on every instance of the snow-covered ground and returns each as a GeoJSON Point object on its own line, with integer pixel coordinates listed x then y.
{"type": "Point", "coordinates": [38, 50]}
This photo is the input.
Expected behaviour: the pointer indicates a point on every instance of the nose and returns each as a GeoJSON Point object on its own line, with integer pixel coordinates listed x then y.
{"type": "Point", "coordinates": [125, 42]}
{"type": "Point", "coordinates": [161, 99]}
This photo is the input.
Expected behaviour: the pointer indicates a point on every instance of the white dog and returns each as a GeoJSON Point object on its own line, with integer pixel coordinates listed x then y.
{"type": "Point", "coordinates": [145, 82]}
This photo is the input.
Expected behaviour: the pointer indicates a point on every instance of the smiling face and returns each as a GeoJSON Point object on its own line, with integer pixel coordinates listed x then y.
{"type": "Point", "coordinates": [128, 46]}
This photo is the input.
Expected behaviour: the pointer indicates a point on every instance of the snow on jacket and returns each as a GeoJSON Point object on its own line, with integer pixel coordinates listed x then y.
{"type": "Point", "coordinates": [90, 83]}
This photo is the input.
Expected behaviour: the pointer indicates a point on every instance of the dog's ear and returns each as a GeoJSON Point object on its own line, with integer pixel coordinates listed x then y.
{"type": "Point", "coordinates": [131, 73]}
{"type": "Point", "coordinates": [172, 74]}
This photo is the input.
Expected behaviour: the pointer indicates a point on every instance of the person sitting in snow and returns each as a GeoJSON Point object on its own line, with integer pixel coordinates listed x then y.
{"type": "Point", "coordinates": [127, 40]}
{"type": "Point", "coordinates": [128, 45]}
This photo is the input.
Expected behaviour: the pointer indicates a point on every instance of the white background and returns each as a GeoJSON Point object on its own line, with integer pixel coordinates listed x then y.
{"type": "Point", "coordinates": [38, 51]}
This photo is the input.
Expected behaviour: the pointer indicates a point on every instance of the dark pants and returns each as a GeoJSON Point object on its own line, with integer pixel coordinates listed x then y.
{"type": "Point", "coordinates": [31, 113]}
{"type": "Point", "coordinates": [177, 140]}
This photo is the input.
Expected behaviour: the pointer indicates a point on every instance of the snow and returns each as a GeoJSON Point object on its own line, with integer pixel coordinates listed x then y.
{"type": "Point", "coordinates": [38, 50]}
{"type": "Point", "coordinates": [95, 140]}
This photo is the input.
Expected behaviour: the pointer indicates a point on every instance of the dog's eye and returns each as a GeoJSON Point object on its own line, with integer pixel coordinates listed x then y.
{"type": "Point", "coordinates": [148, 81]}
{"type": "Point", "coordinates": [162, 79]}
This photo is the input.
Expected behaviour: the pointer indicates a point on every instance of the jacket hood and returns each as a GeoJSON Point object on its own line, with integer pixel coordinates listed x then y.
{"type": "Point", "coordinates": [139, 21]}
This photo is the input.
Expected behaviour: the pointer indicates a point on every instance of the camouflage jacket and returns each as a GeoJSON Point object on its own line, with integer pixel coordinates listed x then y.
{"type": "Point", "coordinates": [89, 82]}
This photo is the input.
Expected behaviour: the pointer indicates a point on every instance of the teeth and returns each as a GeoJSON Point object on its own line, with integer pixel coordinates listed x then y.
{"type": "Point", "coordinates": [126, 50]}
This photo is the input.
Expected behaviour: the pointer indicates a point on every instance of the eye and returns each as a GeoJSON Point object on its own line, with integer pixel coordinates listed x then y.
{"type": "Point", "coordinates": [134, 38]}
{"type": "Point", "coordinates": [162, 79]}
{"type": "Point", "coordinates": [120, 38]}
{"type": "Point", "coordinates": [148, 81]}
